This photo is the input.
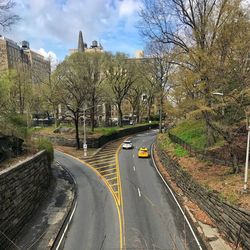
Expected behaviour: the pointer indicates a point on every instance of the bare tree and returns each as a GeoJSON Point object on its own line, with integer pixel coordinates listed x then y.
{"type": "Point", "coordinates": [159, 69]}
{"type": "Point", "coordinates": [120, 76]}
{"type": "Point", "coordinates": [134, 97]}
{"type": "Point", "coordinates": [192, 27]}
{"type": "Point", "coordinates": [7, 18]}
{"type": "Point", "coordinates": [93, 72]}
{"type": "Point", "coordinates": [73, 88]}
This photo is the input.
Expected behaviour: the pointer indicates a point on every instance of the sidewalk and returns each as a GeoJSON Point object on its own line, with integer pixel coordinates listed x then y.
{"type": "Point", "coordinates": [42, 229]}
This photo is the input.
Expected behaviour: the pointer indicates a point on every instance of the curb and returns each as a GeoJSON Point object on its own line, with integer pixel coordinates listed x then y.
{"type": "Point", "coordinates": [65, 225]}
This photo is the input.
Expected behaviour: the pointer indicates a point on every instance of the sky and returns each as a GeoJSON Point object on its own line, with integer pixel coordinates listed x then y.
{"type": "Point", "coordinates": [52, 26]}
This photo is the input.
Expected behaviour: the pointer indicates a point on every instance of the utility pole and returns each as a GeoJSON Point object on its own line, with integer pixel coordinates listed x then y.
{"type": "Point", "coordinates": [245, 189]}
{"type": "Point", "coordinates": [85, 146]}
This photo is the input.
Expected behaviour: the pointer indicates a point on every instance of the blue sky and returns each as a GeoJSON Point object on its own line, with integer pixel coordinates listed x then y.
{"type": "Point", "coordinates": [52, 26]}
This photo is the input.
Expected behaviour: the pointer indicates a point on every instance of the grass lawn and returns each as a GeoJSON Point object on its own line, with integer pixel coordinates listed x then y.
{"type": "Point", "coordinates": [192, 132]}
{"type": "Point", "coordinates": [167, 145]}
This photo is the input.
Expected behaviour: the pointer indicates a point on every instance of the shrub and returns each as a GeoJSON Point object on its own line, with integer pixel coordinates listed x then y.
{"type": "Point", "coordinates": [45, 144]}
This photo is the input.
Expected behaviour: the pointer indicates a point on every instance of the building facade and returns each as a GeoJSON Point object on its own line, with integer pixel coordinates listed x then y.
{"type": "Point", "coordinates": [21, 57]}
{"type": "Point", "coordinates": [83, 47]}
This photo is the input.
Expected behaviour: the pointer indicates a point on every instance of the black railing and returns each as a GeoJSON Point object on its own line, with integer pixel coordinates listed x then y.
{"type": "Point", "coordinates": [202, 154]}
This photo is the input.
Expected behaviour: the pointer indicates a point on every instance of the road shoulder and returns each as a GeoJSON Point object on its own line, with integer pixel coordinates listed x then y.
{"type": "Point", "coordinates": [207, 230]}
{"type": "Point", "coordinates": [45, 224]}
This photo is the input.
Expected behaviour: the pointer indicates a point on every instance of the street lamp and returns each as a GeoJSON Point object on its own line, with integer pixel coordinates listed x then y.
{"type": "Point", "coordinates": [85, 146]}
{"type": "Point", "coordinates": [247, 156]}
{"type": "Point", "coordinates": [220, 94]}
{"type": "Point", "coordinates": [245, 188]}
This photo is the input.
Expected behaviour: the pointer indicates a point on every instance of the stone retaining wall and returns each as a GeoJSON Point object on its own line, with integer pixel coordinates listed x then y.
{"type": "Point", "coordinates": [22, 187]}
{"type": "Point", "coordinates": [232, 220]}
{"type": "Point", "coordinates": [99, 142]}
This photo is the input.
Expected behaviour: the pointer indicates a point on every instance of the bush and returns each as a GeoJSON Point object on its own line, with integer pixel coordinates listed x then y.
{"type": "Point", "coordinates": [45, 144]}
{"type": "Point", "coordinates": [14, 124]}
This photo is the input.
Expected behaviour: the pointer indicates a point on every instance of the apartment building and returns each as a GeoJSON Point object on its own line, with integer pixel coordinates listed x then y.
{"type": "Point", "coordinates": [21, 57]}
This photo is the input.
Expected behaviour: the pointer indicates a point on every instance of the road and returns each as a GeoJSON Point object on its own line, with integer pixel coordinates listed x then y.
{"type": "Point", "coordinates": [152, 219]}
{"type": "Point", "coordinates": [95, 224]}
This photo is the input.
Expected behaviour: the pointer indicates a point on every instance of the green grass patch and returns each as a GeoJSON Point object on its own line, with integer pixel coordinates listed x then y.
{"type": "Point", "coordinates": [166, 144]}
{"type": "Point", "coordinates": [192, 132]}
{"type": "Point", "coordinates": [180, 151]}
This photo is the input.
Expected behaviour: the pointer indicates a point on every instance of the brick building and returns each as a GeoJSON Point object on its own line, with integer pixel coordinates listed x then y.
{"type": "Point", "coordinates": [14, 56]}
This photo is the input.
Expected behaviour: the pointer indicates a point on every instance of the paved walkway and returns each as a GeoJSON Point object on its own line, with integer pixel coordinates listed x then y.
{"type": "Point", "coordinates": [42, 229]}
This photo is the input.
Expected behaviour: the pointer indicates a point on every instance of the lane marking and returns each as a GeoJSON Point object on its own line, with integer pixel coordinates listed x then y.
{"type": "Point", "coordinates": [66, 228]}
{"type": "Point", "coordinates": [113, 178]}
{"type": "Point", "coordinates": [101, 160]}
{"type": "Point", "coordinates": [134, 168]}
{"type": "Point", "coordinates": [139, 192]}
{"type": "Point", "coordinates": [170, 190]}
{"type": "Point", "coordinates": [108, 174]}
{"type": "Point", "coordinates": [108, 153]}
{"type": "Point", "coordinates": [121, 196]}
{"type": "Point", "coordinates": [111, 156]}
{"type": "Point", "coordinates": [107, 170]}
{"type": "Point", "coordinates": [105, 166]}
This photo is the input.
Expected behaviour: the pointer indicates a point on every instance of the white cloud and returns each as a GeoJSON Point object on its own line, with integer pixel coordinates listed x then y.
{"type": "Point", "coordinates": [49, 56]}
{"type": "Point", "coordinates": [52, 19]}
{"type": "Point", "coordinates": [128, 7]}
{"type": "Point", "coordinates": [54, 24]}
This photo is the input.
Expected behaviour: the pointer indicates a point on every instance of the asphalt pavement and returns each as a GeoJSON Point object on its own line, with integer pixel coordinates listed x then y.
{"type": "Point", "coordinates": [152, 218]}
{"type": "Point", "coordinates": [95, 224]}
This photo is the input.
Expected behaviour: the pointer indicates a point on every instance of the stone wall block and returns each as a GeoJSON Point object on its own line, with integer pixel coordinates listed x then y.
{"type": "Point", "coordinates": [22, 188]}
{"type": "Point", "coordinates": [230, 219]}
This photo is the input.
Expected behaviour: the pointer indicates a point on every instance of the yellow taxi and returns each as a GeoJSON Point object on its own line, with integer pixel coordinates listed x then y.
{"type": "Point", "coordinates": [143, 153]}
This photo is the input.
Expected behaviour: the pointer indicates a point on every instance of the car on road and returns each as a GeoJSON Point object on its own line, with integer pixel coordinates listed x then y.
{"type": "Point", "coordinates": [143, 153]}
{"type": "Point", "coordinates": [127, 145]}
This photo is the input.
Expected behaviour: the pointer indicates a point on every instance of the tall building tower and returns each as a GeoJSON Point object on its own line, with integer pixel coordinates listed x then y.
{"type": "Point", "coordinates": [80, 43]}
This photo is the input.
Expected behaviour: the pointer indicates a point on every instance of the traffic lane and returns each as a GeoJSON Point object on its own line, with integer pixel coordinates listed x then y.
{"type": "Point", "coordinates": [152, 217]}
{"type": "Point", "coordinates": [95, 224]}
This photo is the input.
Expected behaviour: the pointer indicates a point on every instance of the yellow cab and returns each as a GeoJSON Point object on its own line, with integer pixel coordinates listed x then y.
{"type": "Point", "coordinates": [143, 153]}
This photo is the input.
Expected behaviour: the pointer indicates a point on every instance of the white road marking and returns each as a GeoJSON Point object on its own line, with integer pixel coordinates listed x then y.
{"type": "Point", "coordinates": [134, 168]}
{"type": "Point", "coordinates": [185, 217]}
{"type": "Point", "coordinates": [139, 192]}
{"type": "Point", "coordinates": [133, 156]}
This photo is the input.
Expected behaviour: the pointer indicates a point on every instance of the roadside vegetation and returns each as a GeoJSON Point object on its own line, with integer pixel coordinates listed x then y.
{"type": "Point", "coordinates": [214, 177]}
{"type": "Point", "coordinates": [68, 130]}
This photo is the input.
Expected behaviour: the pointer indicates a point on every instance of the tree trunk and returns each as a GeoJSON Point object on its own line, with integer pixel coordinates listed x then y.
{"type": "Point", "coordinates": [138, 113]}
{"type": "Point", "coordinates": [160, 125]}
{"type": "Point", "coordinates": [234, 158]}
{"type": "Point", "coordinates": [120, 115]}
{"type": "Point", "coordinates": [76, 120]}
{"type": "Point", "coordinates": [210, 135]}
{"type": "Point", "coordinates": [209, 130]}
{"type": "Point", "coordinates": [149, 108]}
{"type": "Point", "coordinates": [92, 118]}
{"type": "Point", "coordinates": [56, 116]}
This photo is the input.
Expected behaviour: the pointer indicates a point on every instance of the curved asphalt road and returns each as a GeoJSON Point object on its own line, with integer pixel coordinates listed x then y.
{"type": "Point", "coordinates": [95, 224]}
{"type": "Point", "coordinates": [152, 217]}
